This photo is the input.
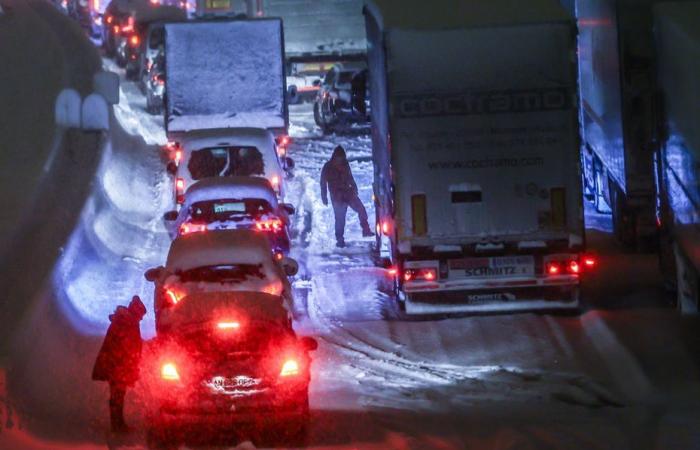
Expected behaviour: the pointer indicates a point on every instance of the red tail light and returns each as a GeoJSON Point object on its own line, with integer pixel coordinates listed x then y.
{"type": "Point", "coordinates": [228, 325]}
{"type": "Point", "coordinates": [116, 29]}
{"type": "Point", "coordinates": [392, 271]}
{"type": "Point", "coordinates": [386, 227]}
{"type": "Point", "coordinates": [574, 267]}
{"type": "Point", "coordinates": [109, 20]}
{"type": "Point", "coordinates": [275, 181]}
{"type": "Point", "coordinates": [273, 225]}
{"type": "Point", "coordinates": [428, 274]}
{"type": "Point", "coordinates": [134, 41]}
{"type": "Point", "coordinates": [188, 228]}
{"type": "Point", "coordinates": [289, 368]}
{"type": "Point", "coordinates": [180, 190]}
{"type": "Point", "coordinates": [553, 268]}
{"type": "Point", "coordinates": [589, 262]}
{"type": "Point", "coordinates": [169, 372]}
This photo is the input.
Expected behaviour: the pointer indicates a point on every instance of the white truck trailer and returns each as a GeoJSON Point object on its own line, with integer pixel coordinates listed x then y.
{"type": "Point", "coordinates": [618, 114]}
{"type": "Point", "coordinates": [678, 66]}
{"type": "Point", "coordinates": [475, 138]}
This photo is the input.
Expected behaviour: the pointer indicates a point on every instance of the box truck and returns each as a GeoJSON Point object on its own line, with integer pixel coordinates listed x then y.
{"type": "Point", "coordinates": [475, 137]}
{"type": "Point", "coordinates": [678, 67]}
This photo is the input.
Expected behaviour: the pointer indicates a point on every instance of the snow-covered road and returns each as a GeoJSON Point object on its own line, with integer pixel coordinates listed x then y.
{"type": "Point", "coordinates": [622, 375]}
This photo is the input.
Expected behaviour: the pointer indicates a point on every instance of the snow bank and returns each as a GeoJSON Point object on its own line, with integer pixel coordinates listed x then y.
{"type": "Point", "coordinates": [225, 75]}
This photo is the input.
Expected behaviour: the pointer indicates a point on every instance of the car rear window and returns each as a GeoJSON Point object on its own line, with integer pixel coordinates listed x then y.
{"type": "Point", "coordinates": [231, 209]}
{"type": "Point", "coordinates": [229, 273]}
{"type": "Point", "coordinates": [225, 161]}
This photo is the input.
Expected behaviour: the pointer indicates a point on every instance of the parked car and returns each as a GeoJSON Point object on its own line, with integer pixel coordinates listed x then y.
{"type": "Point", "coordinates": [155, 87]}
{"type": "Point", "coordinates": [233, 203]}
{"type": "Point", "coordinates": [342, 99]}
{"type": "Point", "coordinates": [218, 261]}
{"type": "Point", "coordinates": [230, 361]}
{"type": "Point", "coordinates": [230, 152]}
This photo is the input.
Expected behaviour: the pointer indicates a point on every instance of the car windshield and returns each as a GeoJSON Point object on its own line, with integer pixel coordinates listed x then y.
{"type": "Point", "coordinates": [226, 161]}
{"type": "Point", "coordinates": [229, 273]}
{"type": "Point", "coordinates": [230, 209]}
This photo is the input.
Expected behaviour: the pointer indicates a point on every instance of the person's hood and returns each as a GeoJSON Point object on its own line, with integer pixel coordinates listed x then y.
{"type": "Point", "coordinates": [122, 315]}
{"type": "Point", "coordinates": [339, 153]}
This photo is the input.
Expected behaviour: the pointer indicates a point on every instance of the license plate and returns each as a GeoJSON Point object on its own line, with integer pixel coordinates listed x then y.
{"type": "Point", "coordinates": [494, 267]}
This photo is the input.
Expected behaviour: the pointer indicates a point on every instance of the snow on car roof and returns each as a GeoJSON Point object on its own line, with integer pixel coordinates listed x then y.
{"type": "Point", "coordinates": [230, 187]}
{"type": "Point", "coordinates": [446, 14]}
{"type": "Point", "coordinates": [252, 136]}
{"type": "Point", "coordinates": [218, 247]}
{"type": "Point", "coordinates": [229, 306]}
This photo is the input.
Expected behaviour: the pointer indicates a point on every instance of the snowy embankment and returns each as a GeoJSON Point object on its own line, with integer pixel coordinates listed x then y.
{"type": "Point", "coordinates": [44, 171]}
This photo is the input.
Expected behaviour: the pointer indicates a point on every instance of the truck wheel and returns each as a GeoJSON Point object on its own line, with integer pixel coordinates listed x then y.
{"type": "Point", "coordinates": [686, 283]}
{"type": "Point", "coordinates": [317, 115]}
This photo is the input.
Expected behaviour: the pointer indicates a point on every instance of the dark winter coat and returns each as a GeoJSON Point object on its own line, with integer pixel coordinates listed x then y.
{"type": "Point", "coordinates": [336, 177]}
{"type": "Point", "coordinates": [120, 355]}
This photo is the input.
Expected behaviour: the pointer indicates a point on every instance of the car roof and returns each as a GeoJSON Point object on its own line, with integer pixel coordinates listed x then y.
{"type": "Point", "coordinates": [239, 306]}
{"type": "Point", "coordinates": [218, 247]}
{"type": "Point", "coordinates": [218, 188]}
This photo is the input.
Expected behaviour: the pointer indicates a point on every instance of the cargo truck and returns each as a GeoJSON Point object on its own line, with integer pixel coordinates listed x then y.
{"type": "Point", "coordinates": [678, 67]}
{"type": "Point", "coordinates": [475, 137]}
{"type": "Point", "coordinates": [618, 114]}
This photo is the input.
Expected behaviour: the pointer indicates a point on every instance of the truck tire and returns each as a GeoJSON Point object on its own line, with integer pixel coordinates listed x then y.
{"type": "Point", "coordinates": [687, 283]}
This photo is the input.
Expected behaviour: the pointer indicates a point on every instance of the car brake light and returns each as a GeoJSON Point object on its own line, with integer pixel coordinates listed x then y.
{"type": "Point", "coordinates": [180, 190]}
{"type": "Point", "coordinates": [574, 267]}
{"type": "Point", "coordinates": [134, 40]}
{"type": "Point", "coordinates": [392, 271]}
{"type": "Point", "coordinates": [553, 268]}
{"type": "Point", "coordinates": [228, 325]}
{"type": "Point", "coordinates": [110, 19]}
{"type": "Point", "coordinates": [275, 182]}
{"type": "Point", "coordinates": [188, 228]}
{"type": "Point", "coordinates": [178, 153]}
{"type": "Point", "coordinates": [279, 256]}
{"type": "Point", "coordinates": [116, 29]}
{"type": "Point", "coordinates": [589, 261]}
{"type": "Point", "coordinates": [172, 297]}
{"type": "Point", "coordinates": [428, 274]}
{"type": "Point", "coordinates": [289, 368]}
{"type": "Point", "coordinates": [169, 372]}
{"type": "Point", "coordinates": [274, 225]}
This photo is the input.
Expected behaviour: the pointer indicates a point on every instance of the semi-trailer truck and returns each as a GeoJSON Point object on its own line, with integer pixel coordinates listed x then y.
{"type": "Point", "coordinates": [475, 136]}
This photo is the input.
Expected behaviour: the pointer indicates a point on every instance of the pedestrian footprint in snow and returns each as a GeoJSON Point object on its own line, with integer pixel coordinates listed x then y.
{"type": "Point", "coordinates": [119, 358]}
{"type": "Point", "coordinates": [336, 177]}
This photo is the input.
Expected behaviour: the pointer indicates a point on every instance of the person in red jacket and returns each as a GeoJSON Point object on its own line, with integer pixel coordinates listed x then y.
{"type": "Point", "coordinates": [337, 178]}
{"type": "Point", "coordinates": [119, 358]}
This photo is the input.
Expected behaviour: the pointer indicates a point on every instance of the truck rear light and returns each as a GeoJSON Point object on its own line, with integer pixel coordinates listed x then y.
{"type": "Point", "coordinates": [386, 227]}
{"type": "Point", "coordinates": [289, 368]}
{"type": "Point", "coordinates": [553, 268]}
{"type": "Point", "coordinates": [573, 267]}
{"type": "Point", "coordinates": [169, 372]}
{"type": "Point", "coordinates": [429, 274]}
{"type": "Point", "coordinates": [419, 214]}
{"type": "Point", "coordinates": [134, 40]}
{"type": "Point", "coordinates": [188, 228]}
{"type": "Point", "coordinates": [180, 190]}
{"type": "Point", "coordinates": [392, 271]}
{"type": "Point", "coordinates": [273, 225]}
{"type": "Point", "coordinates": [589, 261]}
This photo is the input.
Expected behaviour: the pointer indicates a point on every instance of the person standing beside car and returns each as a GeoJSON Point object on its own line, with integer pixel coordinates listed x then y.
{"type": "Point", "coordinates": [119, 358]}
{"type": "Point", "coordinates": [337, 178]}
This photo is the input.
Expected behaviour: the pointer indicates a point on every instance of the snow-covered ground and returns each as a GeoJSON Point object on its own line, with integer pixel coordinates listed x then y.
{"type": "Point", "coordinates": [623, 375]}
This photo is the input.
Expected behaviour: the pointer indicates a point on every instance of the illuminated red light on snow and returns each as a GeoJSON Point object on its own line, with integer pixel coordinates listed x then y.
{"type": "Point", "coordinates": [289, 368]}
{"type": "Point", "coordinates": [228, 325]}
{"type": "Point", "coordinates": [169, 372]}
{"type": "Point", "coordinates": [188, 228]}
{"type": "Point", "coordinates": [274, 225]}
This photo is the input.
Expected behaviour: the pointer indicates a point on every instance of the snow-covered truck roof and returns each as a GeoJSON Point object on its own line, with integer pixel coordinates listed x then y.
{"type": "Point", "coordinates": [159, 13]}
{"type": "Point", "coordinates": [217, 188]}
{"type": "Point", "coordinates": [447, 14]}
{"type": "Point", "coordinates": [225, 74]}
{"type": "Point", "coordinates": [218, 247]}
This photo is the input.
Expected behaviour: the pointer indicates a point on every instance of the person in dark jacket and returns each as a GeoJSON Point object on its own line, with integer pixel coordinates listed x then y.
{"type": "Point", "coordinates": [336, 177]}
{"type": "Point", "coordinates": [119, 358]}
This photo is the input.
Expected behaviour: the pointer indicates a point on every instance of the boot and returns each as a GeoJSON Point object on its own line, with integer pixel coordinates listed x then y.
{"type": "Point", "coordinates": [367, 233]}
{"type": "Point", "coordinates": [340, 243]}
{"type": "Point", "coordinates": [116, 417]}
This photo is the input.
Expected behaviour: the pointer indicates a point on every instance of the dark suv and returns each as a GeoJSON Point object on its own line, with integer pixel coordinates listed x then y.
{"type": "Point", "coordinates": [342, 99]}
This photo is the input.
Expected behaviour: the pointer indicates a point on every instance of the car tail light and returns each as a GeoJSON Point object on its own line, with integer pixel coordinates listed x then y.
{"type": "Point", "coordinates": [109, 20]}
{"type": "Point", "coordinates": [279, 256]}
{"type": "Point", "coordinates": [169, 372]}
{"type": "Point", "coordinates": [573, 267]}
{"type": "Point", "coordinates": [134, 40]}
{"type": "Point", "coordinates": [424, 274]}
{"type": "Point", "coordinates": [386, 227]}
{"type": "Point", "coordinates": [180, 190]}
{"type": "Point", "coordinates": [589, 262]}
{"type": "Point", "coordinates": [392, 271]}
{"type": "Point", "coordinates": [553, 268]}
{"type": "Point", "coordinates": [116, 29]}
{"type": "Point", "coordinates": [171, 297]}
{"type": "Point", "coordinates": [289, 368]}
{"type": "Point", "coordinates": [275, 181]}
{"type": "Point", "coordinates": [188, 228]}
{"type": "Point", "coordinates": [228, 325]}
{"type": "Point", "coordinates": [273, 225]}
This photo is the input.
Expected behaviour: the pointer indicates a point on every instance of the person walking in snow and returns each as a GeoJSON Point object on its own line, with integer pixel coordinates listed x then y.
{"type": "Point", "coordinates": [337, 178]}
{"type": "Point", "coordinates": [119, 358]}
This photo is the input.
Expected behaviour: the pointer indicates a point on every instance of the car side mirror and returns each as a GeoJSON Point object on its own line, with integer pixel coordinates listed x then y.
{"type": "Point", "coordinates": [288, 162]}
{"type": "Point", "coordinates": [308, 343]}
{"type": "Point", "coordinates": [171, 168]}
{"type": "Point", "coordinates": [290, 266]}
{"type": "Point", "coordinates": [154, 273]}
{"type": "Point", "coordinates": [288, 208]}
{"type": "Point", "coordinates": [170, 216]}
{"type": "Point", "coordinates": [316, 82]}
